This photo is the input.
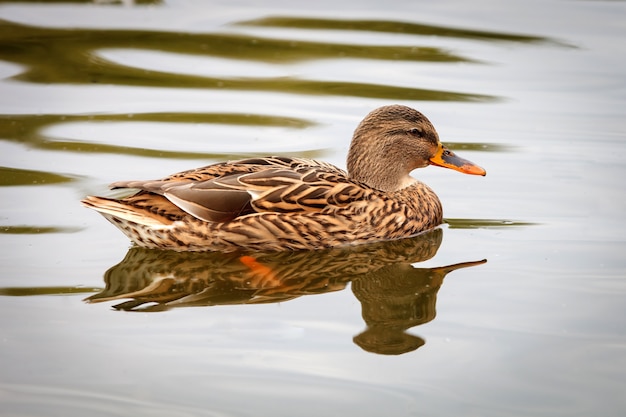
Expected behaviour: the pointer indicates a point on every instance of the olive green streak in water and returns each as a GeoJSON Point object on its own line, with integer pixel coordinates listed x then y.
{"type": "Point", "coordinates": [27, 291]}
{"type": "Point", "coordinates": [37, 230]}
{"type": "Point", "coordinates": [69, 56]}
{"type": "Point", "coordinates": [391, 27]}
{"type": "Point", "coordinates": [28, 128]}
{"type": "Point", "coordinates": [15, 176]}
{"type": "Point", "coordinates": [484, 223]}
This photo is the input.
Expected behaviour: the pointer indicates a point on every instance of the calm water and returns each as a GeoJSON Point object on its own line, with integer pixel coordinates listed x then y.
{"type": "Point", "coordinates": [534, 91]}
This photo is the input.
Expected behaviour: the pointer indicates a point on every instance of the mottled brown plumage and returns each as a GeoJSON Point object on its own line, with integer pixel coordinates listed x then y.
{"type": "Point", "coordinates": [280, 203]}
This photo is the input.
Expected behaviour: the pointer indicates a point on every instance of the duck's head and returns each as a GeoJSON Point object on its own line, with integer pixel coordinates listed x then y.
{"type": "Point", "coordinates": [394, 140]}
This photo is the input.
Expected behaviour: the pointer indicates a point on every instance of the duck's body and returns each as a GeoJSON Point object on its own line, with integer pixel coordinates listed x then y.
{"type": "Point", "coordinates": [280, 203]}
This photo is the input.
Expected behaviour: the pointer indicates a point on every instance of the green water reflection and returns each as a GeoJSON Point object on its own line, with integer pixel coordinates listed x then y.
{"type": "Point", "coordinates": [29, 129]}
{"type": "Point", "coordinates": [70, 56]}
{"type": "Point", "coordinates": [30, 291]}
{"type": "Point", "coordinates": [36, 230]}
{"type": "Point", "coordinates": [16, 176]}
{"type": "Point", "coordinates": [484, 223]}
{"type": "Point", "coordinates": [389, 26]}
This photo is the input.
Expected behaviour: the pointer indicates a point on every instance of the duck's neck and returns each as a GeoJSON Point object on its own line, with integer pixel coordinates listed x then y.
{"type": "Point", "coordinates": [380, 175]}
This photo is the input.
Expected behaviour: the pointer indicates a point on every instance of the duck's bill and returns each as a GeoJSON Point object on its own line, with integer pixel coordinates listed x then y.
{"type": "Point", "coordinates": [448, 159]}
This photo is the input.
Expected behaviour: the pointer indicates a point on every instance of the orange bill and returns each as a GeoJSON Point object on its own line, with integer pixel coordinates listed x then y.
{"type": "Point", "coordinates": [448, 159]}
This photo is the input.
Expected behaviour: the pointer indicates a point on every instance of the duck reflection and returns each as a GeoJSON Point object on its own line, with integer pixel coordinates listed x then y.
{"type": "Point", "coordinates": [394, 299]}
{"type": "Point", "coordinates": [394, 295]}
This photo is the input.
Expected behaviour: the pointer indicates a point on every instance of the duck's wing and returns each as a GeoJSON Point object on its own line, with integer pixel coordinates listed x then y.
{"type": "Point", "coordinates": [223, 192]}
{"type": "Point", "coordinates": [225, 169]}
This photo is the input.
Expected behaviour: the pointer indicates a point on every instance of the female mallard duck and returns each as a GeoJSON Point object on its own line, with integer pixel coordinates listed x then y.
{"type": "Point", "coordinates": [281, 203]}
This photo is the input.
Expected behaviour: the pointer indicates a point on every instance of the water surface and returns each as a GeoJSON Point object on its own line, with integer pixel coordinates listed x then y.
{"type": "Point", "coordinates": [513, 307]}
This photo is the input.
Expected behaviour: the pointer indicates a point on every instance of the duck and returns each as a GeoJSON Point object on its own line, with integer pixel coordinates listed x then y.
{"type": "Point", "coordinates": [281, 203]}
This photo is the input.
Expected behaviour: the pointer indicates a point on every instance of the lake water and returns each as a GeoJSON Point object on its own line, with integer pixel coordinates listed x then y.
{"type": "Point", "coordinates": [534, 91]}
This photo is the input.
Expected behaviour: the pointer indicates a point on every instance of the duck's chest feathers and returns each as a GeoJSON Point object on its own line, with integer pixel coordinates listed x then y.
{"type": "Point", "coordinates": [417, 205]}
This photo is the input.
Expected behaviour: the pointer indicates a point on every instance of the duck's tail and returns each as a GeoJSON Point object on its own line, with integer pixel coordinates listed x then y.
{"type": "Point", "coordinates": [140, 218]}
{"type": "Point", "coordinates": [118, 211]}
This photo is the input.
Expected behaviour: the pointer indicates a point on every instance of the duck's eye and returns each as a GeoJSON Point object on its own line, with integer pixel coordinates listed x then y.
{"type": "Point", "coordinates": [415, 131]}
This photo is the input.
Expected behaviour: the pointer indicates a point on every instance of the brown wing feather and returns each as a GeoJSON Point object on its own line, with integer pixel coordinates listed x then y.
{"type": "Point", "coordinates": [310, 189]}
{"type": "Point", "coordinates": [222, 192]}
{"type": "Point", "coordinates": [216, 205]}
